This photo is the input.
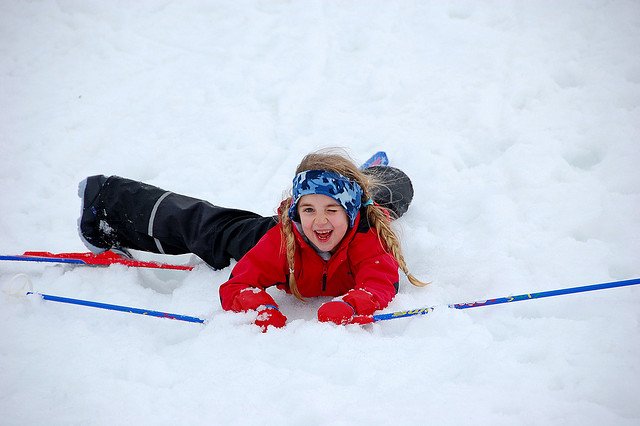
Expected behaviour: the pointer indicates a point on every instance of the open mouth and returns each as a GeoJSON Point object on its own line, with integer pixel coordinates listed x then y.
{"type": "Point", "coordinates": [323, 236]}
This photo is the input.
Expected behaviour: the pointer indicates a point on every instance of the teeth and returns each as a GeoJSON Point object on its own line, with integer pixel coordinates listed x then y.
{"type": "Point", "coordinates": [323, 235]}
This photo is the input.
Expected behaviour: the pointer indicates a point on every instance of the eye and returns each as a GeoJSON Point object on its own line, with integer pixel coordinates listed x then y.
{"type": "Point", "coordinates": [307, 210]}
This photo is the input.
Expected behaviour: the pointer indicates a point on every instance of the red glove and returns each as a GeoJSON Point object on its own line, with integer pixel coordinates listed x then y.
{"type": "Point", "coordinates": [337, 312]}
{"type": "Point", "coordinates": [341, 313]}
{"type": "Point", "coordinates": [251, 299]}
{"type": "Point", "coordinates": [363, 302]}
{"type": "Point", "coordinates": [270, 316]}
{"type": "Point", "coordinates": [356, 307]}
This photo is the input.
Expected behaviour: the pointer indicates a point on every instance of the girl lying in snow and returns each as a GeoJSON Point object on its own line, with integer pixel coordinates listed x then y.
{"type": "Point", "coordinates": [332, 237]}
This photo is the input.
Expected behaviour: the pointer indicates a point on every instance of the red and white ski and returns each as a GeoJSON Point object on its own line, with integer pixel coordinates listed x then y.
{"type": "Point", "coordinates": [91, 259]}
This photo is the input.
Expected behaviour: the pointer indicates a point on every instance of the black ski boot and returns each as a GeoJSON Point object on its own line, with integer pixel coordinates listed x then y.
{"type": "Point", "coordinates": [94, 231]}
{"type": "Point", "coordinates": [394, 190]}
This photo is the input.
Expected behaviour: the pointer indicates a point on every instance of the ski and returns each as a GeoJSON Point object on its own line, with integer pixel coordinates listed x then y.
{"type": "Point", "coordinates": [91, 259]}
{"type": "Point", "coordinates": [377, 159]}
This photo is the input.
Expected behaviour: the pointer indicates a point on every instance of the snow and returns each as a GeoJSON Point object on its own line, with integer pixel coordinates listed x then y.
{"type": "Point", "coordinates": [519, 123]}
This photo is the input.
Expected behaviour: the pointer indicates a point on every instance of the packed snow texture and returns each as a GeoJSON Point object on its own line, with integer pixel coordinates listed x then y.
{"type": "Point", "coordinates": [518, 121]}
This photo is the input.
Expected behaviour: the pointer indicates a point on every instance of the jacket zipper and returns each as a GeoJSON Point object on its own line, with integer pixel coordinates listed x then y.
{"type": "Point", "coordinates": [324, 277]}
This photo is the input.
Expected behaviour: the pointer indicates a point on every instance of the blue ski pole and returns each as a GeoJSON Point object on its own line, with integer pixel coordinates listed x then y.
{"type": "Point", "coordinates": [120, 308]}
{"type": "Point", "coordinates": [508, 299]}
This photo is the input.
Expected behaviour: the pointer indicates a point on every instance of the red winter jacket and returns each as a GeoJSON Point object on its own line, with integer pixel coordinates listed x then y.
{"type": "Point", "coordinates": [360, 262]}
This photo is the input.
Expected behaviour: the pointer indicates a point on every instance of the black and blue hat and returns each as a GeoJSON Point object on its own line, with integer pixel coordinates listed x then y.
{"type": "Point", "coordinates": [346, 192]}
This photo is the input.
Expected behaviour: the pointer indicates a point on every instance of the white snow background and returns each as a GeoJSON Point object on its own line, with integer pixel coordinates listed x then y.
{"type": "Point", "coordinates": [518, 121]}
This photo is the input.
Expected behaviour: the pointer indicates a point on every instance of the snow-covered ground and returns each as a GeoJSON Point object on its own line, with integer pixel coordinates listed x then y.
{"type": "Point", "coordinates": [518, 121]}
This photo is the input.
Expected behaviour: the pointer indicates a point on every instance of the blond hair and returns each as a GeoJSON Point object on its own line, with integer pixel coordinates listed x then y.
{"type": "Point", "coordinates": [339, 162]}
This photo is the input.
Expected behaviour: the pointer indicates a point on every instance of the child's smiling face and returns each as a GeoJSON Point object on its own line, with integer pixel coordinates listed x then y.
{"type": "Point", "coordinates": [324, 221]}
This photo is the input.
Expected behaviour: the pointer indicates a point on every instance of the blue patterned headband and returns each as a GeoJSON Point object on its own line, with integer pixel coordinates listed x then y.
{"type": "Point", "coordinates": [346, 192]}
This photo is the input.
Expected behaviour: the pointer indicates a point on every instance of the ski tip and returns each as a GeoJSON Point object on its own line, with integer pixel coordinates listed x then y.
{"type": "Point", "coordinates": [378, 159]}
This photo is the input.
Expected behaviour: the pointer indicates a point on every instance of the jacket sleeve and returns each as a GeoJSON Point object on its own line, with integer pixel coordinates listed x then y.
{"type": "Point", "coordinates": [263, 266]}
{"type": "Point", "coordinates": [375, 272]}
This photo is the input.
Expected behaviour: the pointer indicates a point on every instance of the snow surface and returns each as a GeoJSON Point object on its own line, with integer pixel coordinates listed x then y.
{"type": "Point", "coordinates": [518, 121]}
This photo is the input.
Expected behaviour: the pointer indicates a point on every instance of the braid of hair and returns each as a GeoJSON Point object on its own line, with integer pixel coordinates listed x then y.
{"type": "Point", "coordinates": [381, 223]}
{"type": "Point", "coordinates": [289, 248]}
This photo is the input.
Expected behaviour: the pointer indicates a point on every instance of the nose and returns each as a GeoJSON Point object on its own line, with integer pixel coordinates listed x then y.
{"type": "Point", "coordinates": [321, 218]}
